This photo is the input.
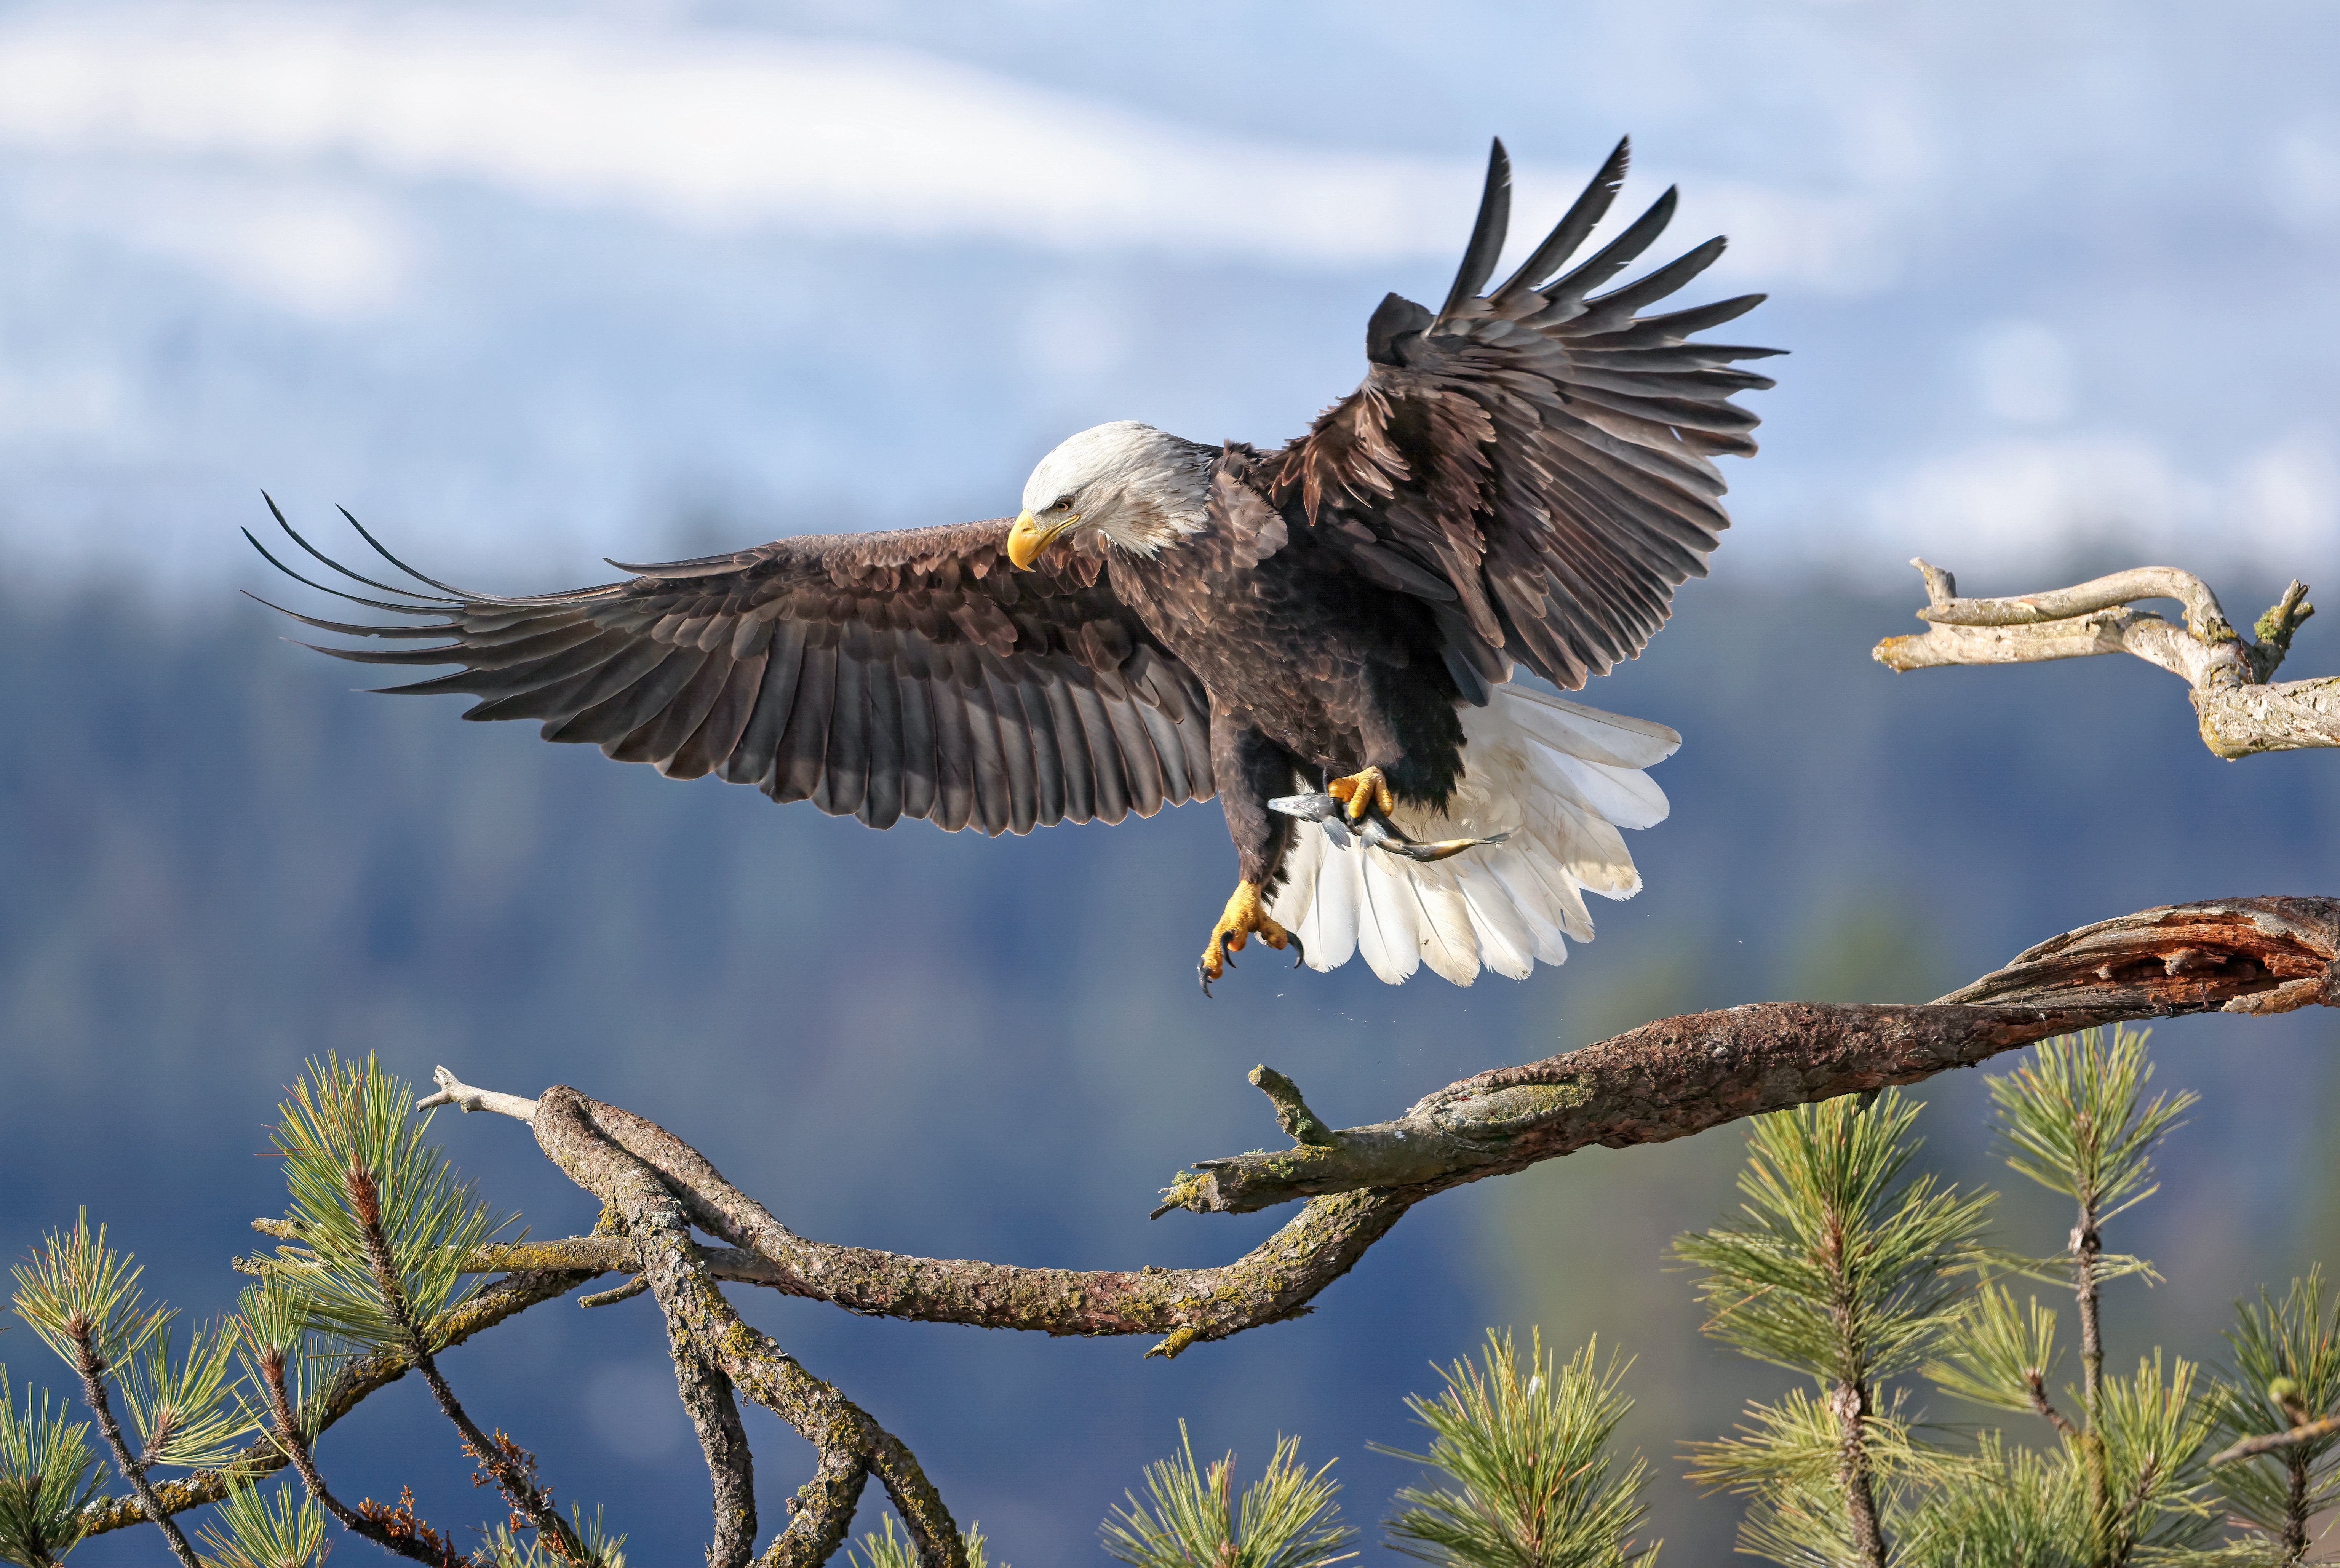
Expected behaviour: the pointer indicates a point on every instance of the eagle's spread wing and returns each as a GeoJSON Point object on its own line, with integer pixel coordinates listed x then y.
{"type": "Point", "coordinates": [876, 675]}
{"type": "Point", "coordinates": [1533, 461]}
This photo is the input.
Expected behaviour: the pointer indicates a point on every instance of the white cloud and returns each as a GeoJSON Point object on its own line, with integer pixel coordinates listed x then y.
{"type": "Point", "coordinates": [707, 130]}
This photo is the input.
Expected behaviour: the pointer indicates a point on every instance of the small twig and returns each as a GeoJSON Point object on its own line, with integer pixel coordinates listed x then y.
{"type": "Point", "coordinates": [295, 1448]}
{"type": "Point", "coordinates": [611, 1297]}
{"type": "Point", "coordinates": [2037, 1386]}
{"type": "Point", "coordinates": [1299, 1124]}
{"type": "Point", "coordinates": [521, 1491]}
{"type": "Point", "coordinates": [453, 1091]}
{"type": "Point", "coordinates": [92, 1368]}
{"type": "Point", "coordinates": [2251, 1448]}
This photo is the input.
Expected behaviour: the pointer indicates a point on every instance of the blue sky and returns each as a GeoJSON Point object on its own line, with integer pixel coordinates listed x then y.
{"type": "Point", "coordinates": [530, 284]}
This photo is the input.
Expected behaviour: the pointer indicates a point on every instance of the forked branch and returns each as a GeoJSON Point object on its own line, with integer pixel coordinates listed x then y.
{"type": "Point", "coordinates": [1664, 1080]}
{"type": "Point", "coordinates": [2241, 708]}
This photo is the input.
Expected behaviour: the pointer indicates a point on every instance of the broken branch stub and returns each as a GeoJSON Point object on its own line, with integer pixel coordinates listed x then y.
{"type": "Point", "coordinates": [2240, 709]}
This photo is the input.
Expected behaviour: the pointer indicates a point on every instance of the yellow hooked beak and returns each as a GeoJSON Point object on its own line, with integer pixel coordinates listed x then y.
{"type": "Point", "coordinates": [1028, 538]}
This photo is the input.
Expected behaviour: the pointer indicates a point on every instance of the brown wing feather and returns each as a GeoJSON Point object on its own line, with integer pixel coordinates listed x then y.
{"type": "Point", "coordinates": [1533, 460]}
{"type": "Point", "coordinates": [881, 675]}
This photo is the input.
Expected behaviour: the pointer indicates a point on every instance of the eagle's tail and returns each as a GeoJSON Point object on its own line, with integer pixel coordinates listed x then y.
{"type": "Point", "coordinates": [1559, 778]}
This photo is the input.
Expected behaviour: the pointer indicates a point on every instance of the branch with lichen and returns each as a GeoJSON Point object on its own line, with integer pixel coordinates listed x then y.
{"type": "Point", "coordinates": [2241, 708]}
{"type": "Point", "coordinates": [852, 1445]}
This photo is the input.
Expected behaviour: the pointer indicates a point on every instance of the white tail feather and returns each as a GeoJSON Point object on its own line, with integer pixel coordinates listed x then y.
{"type": "Point", "coordinates": [1560, 778]}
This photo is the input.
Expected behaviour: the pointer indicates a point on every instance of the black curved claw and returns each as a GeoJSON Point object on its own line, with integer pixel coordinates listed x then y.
{"type": "Point", "coordinates": [1299, 953]}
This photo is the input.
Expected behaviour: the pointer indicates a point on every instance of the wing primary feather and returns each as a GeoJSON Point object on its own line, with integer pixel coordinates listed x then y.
{"type": "Point", "coordinates": [755, 754]}
{"type": "Point", "coordinates": [1486, 234]}
{"type": "Point", "coordinates": [1623, 301]}
{"type": "Point", "coordinates": [1617, 254]}
{"type": "Point", "coordinates": [920, 790]}
{"type": "Point", "coordinates": [294, 535]}
{"type": "Point", "coordinates": [955, 765]}
{"type": "Point", "coordinates": [802, 764]}
{"type": "Point", "coordinates": [1568, 233]}
{"type": "Point", "coordinates": [846, 780]}
{"type": "Point", "coordinates": [356, 628]}
{"type": "Point", "coordinates": [337, 593]}
{"type": "Point", "coordinates": [382, 550]}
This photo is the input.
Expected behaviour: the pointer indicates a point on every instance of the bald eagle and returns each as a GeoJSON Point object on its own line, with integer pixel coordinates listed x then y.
{"type": "Point", "coordinates": [1522, 481]}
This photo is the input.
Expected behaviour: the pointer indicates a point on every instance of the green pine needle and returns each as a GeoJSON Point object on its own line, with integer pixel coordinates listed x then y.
{"type": "Point", "coordinates": [77, 1283]}
{"type": "Point", "coordinates": [2154, 1428]}
{"type": "Point", "coordinates": [503, 1549]}
{"type": "Point", "coordinates": [1999, 1359]}
{"type": "Point", "coordinates": [2289, 1347]}
{"type": "Point", "coordinates": [272, 1527]}
{"type": "Point", "coordinates": [343, 1117]}
{"type": "Point", "coordinates": [889, 1550]}
{"type": "Point", "coordinates": [1838, 1268]}
{"type": "Point", "coordinates": [184, 1408]}
{"type": "Point", "coordinates": [2075, 1119]}
{"type": "Point", "coordinates": [47, 1476]}
{"type": "Point", "coordinates": [1285, 1519]}
{"type": "Point", "coordinates": [1528, 1450]}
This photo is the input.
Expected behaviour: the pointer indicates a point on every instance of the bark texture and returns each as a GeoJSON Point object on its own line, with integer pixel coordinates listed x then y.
{"type": "Point", "coordinates": [850, 1443]}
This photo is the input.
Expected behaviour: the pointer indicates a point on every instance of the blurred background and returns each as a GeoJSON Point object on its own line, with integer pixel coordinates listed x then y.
{"type": "Point", "coordinates": [528, 285]}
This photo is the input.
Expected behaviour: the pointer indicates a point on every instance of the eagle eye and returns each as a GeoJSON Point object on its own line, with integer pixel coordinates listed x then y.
{"type": "Point", "coordinates": [1062, 503]}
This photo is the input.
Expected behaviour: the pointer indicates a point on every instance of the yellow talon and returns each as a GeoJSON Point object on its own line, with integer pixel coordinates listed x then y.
{"type": "Point", "coordinates": [1242, 916]}
{"type": "Point", "coordinates": [1363, 791]}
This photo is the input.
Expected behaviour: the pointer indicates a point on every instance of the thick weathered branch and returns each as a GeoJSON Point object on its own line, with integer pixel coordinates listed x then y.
{"type": "Point", "coordinates": [567, 1130]}
{"type": "Point", "coordinates": [723, 1439]}
{"type": "Point", "coordinates": [1682, 1076]}
{"type": "Point", "coordinates": [368, 1374]}
{"type": "Point", "coordinates": [1664, 1080]}
{"type": "Point", "coordinates": [2240, 709]}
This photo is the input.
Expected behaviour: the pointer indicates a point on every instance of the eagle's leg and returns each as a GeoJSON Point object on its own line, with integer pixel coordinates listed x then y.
{"type": "Point", "coordinates": [1243, 915]}
{"type": "Point", "coordinates": [1363, 790]}
{"type": "Point", "coordinates": [1248, 768]}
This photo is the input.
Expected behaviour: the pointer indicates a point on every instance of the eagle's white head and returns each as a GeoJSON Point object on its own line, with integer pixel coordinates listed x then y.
{"type": "Point", "coordinates": [1132, 484]}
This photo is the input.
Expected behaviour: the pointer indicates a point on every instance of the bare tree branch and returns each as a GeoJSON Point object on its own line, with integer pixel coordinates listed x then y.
{"type": "Point", "coordinates": [453, 1091]}
{"type": "Point", "coordinates": [1664, 1080]}
{"type": "Point", "coordinates": [1682, 1076]}
{"type": "Point", "coordinates": [567, 1130]}
{"type": "Point", "coordinates": [723, 1439]}
{"type": "Point", "coordinates": [2240, 709]}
